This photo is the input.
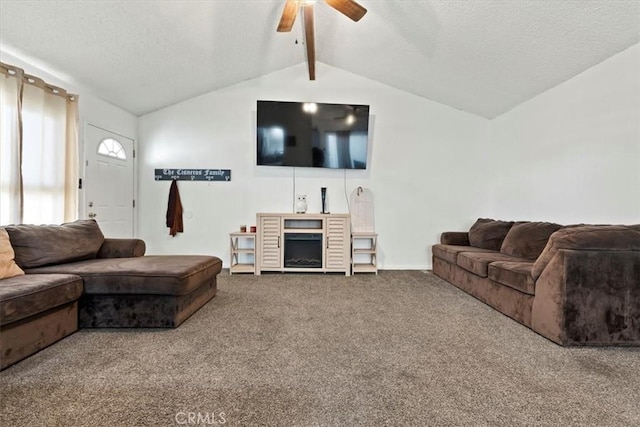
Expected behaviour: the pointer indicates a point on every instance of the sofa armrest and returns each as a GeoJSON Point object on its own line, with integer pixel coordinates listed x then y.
{"type": "Point", "coordinates": [589, 297]}
{"type": "Point", "coordinates": [460, 238]}
{"type": "Point", "coordinates": [588, 237]}
{"type": "Point", "coordinates": [121, 248]}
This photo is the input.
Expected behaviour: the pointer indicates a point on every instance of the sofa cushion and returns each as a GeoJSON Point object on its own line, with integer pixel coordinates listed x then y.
{"type": "Point", "coordinates": [478, 262]}
{"type": "Point", "coordinates": [121, 248]}
{"type": "Point", "coordinates": [488, 233]}
{"type": "Point", "coordinates": [514, 274]}
{"type": "Point", "coordinates": [450, 252]}
{"type": "Point", "coordinates": [588, 237]}
{"type": "Point", "coordinates": [40, 245]}
{"type": "Point", "coordinates": [460, 238]}
{"type": "Point", "coordinates": [8, 266]}
{"type": "Point", "coordinates": [528, 239]}
{"type": "Point", "coordinates": [146, 275]}
{"type": "Point", "coordinates": [27, 295]}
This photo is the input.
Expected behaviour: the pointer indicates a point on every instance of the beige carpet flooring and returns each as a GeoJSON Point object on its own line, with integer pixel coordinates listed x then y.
{"type": "Point", "coordinates": [402, 348]}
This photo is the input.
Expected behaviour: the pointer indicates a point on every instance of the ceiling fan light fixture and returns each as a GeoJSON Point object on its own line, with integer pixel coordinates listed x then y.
{"type": "Point", "coordinates": [351, 119]}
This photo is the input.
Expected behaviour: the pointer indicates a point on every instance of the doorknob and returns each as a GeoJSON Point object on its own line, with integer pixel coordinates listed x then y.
{"type": "Point", "coordinates": [92, 214]}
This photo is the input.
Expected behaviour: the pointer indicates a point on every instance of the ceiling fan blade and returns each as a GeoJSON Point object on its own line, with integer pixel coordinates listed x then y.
{"type": "Point", "coordinates": [309, 40]}
{"type": "Point", "coordinates": [349, 8]}
{"type": "Point", "coordinates": [288, 17]}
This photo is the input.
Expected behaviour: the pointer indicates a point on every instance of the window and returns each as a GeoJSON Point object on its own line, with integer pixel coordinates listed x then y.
{"type": "Point", "coordinates": [112, 148]}
{"type": "Point", "coordinates": [38, 150]}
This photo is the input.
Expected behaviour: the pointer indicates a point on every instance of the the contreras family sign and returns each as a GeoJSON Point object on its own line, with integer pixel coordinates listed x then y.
{"type": "Point", "coordinates": [193, 174]}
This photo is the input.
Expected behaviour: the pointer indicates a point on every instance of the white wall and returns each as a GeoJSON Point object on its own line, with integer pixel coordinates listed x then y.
{"type": "Point", "coordinates": [425, 170]}
{"type": "Point", "coordinates": [572, 154]}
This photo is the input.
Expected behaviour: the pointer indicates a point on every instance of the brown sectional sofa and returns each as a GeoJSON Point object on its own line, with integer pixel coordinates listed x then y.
{"type": "Point", "coordinates": [35, 312]}
{"type": "Point", "coordinates": [575, 285]}
{"type": "Point", "coordinates": [77, 278]}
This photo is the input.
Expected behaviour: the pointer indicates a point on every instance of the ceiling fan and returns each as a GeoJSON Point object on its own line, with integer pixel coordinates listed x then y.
{"type": "Point", "coordinates": [349, 8]}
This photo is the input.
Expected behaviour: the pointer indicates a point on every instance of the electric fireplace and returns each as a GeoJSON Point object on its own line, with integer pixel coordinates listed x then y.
{"type": "Point", "coordinates": [303, 250]}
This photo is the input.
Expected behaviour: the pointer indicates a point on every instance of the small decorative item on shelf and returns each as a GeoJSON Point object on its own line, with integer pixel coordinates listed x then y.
{"type": "Point", "coordinates": [323, 195]}
{"type": "Point", "coordinates": [253, 228]}
{"type": "Point", "coordinates": [243, 228]}
{"type": "Point", "coordinates": [301, 203]}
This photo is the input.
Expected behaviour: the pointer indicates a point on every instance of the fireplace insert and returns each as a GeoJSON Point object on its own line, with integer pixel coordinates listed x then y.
{"type": "Point", "coordinates": [303, 250]}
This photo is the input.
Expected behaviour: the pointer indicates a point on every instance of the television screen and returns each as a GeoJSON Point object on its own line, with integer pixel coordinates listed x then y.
{"type": "Point", "coordinates": [312, 135]}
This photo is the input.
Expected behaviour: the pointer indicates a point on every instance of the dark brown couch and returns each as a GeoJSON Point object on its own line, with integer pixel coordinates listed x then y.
{"type": "Point", "coordinates": [35, 312]}
{"type": "Point", "coordinates": [576, 285]}
{"type": "Point", "coordinates": [77, 278]}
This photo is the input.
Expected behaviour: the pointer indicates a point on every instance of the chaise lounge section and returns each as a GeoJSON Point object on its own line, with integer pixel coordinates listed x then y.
{"type": "Point", "coordinates": [141, 292]}
{"type": "Point", "coordinates": [77, 278]}
{"type": "Point", "coordinates": [575, 285]}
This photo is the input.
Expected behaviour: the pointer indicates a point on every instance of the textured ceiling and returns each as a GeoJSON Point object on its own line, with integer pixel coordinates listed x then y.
{"type": "Point", "coordinates": [483, 57]}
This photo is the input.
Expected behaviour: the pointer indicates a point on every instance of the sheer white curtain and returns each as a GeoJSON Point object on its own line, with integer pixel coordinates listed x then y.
{"type": "Point", "coordinates": [10, 178]}
{"type": "Point", "coordinates": [47, 162]}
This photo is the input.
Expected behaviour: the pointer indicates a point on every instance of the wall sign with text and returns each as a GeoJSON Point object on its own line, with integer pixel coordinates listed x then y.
{"type": "Point", "coordinates": [193, 174]}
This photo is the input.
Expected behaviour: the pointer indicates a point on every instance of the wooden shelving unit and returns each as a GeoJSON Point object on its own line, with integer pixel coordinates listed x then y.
{"type": "Point", "coordinates": [243, 256]}
{"type": "Point", "coordinates": [364, 245]}
{"type": "Point", "coordinates": [333, 231]}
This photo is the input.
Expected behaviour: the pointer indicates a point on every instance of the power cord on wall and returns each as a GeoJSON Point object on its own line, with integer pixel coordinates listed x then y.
{"type": "Point", "coordinates": [345, 192]}
{"type": "Point", "coordinates": [293, 201]}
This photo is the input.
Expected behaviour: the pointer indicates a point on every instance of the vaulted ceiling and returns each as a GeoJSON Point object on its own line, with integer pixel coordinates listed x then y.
{"type": "Point", "coordinates": [479, 56]}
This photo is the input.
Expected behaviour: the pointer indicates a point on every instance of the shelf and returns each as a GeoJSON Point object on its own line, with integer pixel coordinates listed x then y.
{"type": "Point", "coordinates": [243, 251]}
{"type": "Point", "coordinates": [364, 252]}
{"type": "Point", "coordinates": [240, 256]}
{"type": "Point", "coordinates": [303, 223]}
{"type": "Point", "coordinates": [365, 268]}
{"type": "Point", "coordinates": [243, 268]}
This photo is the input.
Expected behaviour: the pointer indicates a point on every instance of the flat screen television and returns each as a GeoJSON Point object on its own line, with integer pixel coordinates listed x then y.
{"type": "Point", "coordinates": [308, 134]}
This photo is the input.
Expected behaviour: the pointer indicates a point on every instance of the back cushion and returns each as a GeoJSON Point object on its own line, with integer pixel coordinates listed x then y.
{"type": "Point", "coordinates": [488, 233]}
{"type": "Point", "coordinates": [528, 239]}
{"type": "Point", "coordinates": [40, 245]}
{"type": "Point", "coordinates": [588, 237]}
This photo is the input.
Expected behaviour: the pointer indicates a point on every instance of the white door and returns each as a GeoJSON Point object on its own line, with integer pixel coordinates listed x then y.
{"type": "Point", "coordinates": [109, 181]}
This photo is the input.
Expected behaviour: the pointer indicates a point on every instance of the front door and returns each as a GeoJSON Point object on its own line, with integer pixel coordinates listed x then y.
{"type": "Point", "coordinates": [109, 181]}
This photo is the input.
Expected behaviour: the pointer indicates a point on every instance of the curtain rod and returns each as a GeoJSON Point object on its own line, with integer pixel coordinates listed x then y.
{"type": "Point", "coordinates": [17, 72]}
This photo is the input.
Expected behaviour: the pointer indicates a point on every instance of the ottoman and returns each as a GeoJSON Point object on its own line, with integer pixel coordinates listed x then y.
{"type": "Point", "coordinates": [142, 292]}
